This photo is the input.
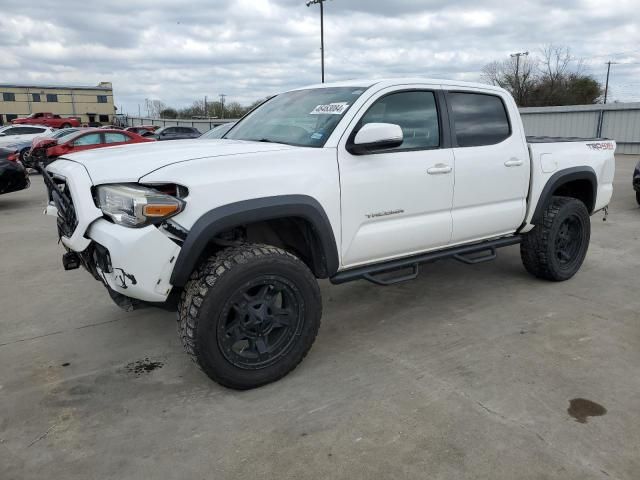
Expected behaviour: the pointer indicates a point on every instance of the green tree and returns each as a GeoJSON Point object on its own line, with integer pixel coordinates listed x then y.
{"type": "Point", "coordinates": [169, 113]}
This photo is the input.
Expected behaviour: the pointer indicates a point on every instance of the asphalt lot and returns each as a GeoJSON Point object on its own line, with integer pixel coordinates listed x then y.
{"type": "Point", "coordinates": [466, 372]}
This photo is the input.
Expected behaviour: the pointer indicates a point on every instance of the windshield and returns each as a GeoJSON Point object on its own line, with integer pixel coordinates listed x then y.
{"type": "Point", "coordinates": [303, 117]}
{"type": "Point", "coordinates": [218, 132]}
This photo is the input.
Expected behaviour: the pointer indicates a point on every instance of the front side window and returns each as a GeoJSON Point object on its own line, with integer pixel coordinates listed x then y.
{"type": "Point", "coordinates": [304, 118]}
{"type": "Point", "coordinates": [90, 139]}
{"type": "Point", "coordinates": [479, 119]}
{"type": "Point", "coordinates": [416, 114]}
{"type": "Point", "coordinates": [9, 97]}
{"type": "Point", "coordinates": [52, 97]}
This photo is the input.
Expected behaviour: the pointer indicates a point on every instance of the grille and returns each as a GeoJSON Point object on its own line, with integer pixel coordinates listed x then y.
{"type": "Point", "coordinates": [61, 196]}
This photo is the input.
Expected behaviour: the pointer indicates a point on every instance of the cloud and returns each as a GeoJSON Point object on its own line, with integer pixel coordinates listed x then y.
{"type": "Point", "coordinates": [180, 51]}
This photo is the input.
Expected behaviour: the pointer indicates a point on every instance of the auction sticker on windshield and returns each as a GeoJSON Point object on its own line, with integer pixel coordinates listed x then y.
{"type": "Point", "coordinates": [330, 109]}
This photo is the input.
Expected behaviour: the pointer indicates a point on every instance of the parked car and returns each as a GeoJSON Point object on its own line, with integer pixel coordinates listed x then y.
{"type": "Point", "coordinates": [37, 149]}
{"type": "Point", "coordinates": [142, 129]}
{"type": "Point", "coordinates": [16, 133]}
{"type": "Point", "coordinates": [636, 182]}
{"type": "Point", "coordinates": [176, 133]}
{"type": "Point", "coordinates": [90, 139]}
{"type": "Point", "coordinates": [13, 175]}
{"type": "Point", "coordinates": [361, 180]}
{"type": "Point", "coordinates": [218, 132]}
{"type": "Point", "coordinates": [48, 119]}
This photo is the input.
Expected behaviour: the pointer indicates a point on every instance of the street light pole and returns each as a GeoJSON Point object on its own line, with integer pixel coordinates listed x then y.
{"type": "Point", "coordinates": [518, 55]}
{"type": "Point", "coordinates": [222, 97]}
{"type": "Point", "coordinates": [320, 2]}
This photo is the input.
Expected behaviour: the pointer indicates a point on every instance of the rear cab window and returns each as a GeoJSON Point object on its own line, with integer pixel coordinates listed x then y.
{"type": "Point", "coordinates": [479, 119]}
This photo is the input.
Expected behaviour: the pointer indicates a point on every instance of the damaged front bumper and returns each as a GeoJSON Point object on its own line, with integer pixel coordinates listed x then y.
{"type": "Point", "coordinates": [135, 264]}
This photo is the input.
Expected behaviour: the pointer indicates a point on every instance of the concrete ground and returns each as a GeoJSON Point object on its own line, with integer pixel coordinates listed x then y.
{"type": "Point", "coordinates": [466, 372]}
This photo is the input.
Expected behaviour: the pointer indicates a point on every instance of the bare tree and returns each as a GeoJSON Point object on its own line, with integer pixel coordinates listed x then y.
{"type": "Point", "coordinates": [553, 77]}
{"type": "Point", "coordinates": [516, 79]}
{"type": "Point", "coordinates": [154, 107]}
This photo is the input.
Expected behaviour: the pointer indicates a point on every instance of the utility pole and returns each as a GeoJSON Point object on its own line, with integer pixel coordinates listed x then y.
{"type": "Point", "coordinates": [518, 89]}
{"type": "Point", "coordinates": [205, 106]}
{"type": "Point", "coordinates": [222, 97]}
{"type": "Point", "coordinates": [320, 2]}
{"type": "Point", "coordinates": [606, 85]}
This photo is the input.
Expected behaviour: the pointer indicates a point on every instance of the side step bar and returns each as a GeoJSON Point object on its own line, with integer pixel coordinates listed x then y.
{"type": "Point", "coordinates": [464, 253]}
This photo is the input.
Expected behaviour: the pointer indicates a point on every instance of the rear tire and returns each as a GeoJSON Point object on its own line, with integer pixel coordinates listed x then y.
{"type": "Point", "coordinates": [555, 249]}
{"type": "Point", "coordinates": [66, 125]}
{"type": "Point", "coordinates": [249, 315]}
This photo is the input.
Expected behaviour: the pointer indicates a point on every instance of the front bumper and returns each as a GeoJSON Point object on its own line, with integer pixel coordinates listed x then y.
{"type": "Point", "coordinates": [134, 262]}
{"type": "Point", "coordinates": [137, 262]}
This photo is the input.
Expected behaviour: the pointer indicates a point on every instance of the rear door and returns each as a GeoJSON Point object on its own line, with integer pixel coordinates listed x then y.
{"type": "Point", "coordinates": [491, 166]}
{"type": "Point", "coordinates": [397, 202]}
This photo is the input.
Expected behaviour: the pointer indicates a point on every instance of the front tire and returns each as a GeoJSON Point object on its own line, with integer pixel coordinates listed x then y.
{"type": "Point", "coordinates": [555, 249]}
{"type": "Point", "coordinates": [638, 197]}
{"type": "Point", "coordinates": [249, 315]}
{"type": "Point", "coordinates": [66, 125]}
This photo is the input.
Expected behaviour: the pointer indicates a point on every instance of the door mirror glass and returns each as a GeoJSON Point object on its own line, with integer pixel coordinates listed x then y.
{"type": "Point", "coordinates": [376, 136]}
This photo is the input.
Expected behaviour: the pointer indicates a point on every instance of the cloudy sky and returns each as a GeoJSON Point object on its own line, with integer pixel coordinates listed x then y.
{"type": "Point", "coordinates": [179, 51]}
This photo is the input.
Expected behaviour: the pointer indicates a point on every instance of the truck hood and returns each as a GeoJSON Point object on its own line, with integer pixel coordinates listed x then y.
{"type": "Point", "coordinates": [129, 163]}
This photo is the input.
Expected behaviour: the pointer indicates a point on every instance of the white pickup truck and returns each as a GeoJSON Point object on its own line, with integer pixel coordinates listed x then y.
{"type": "Point", "coordinates": [355, 180]}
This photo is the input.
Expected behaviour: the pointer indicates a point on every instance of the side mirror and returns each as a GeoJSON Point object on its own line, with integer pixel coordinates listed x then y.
{"type": "Point", "coordinates": [376, 136]}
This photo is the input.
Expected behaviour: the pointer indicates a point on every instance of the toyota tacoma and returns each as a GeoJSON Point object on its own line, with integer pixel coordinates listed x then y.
{"type": "Point", "coordinates": [344, 181]}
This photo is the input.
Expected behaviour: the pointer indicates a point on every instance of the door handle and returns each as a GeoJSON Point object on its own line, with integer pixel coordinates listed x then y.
{"type": "Point", "coordinates": [439, 169]}
{"type": "Point", "coordinates": [514, 162]}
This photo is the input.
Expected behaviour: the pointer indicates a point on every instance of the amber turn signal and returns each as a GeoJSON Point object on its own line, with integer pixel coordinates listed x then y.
{"type": "Point", "coordinates": [159, 210]}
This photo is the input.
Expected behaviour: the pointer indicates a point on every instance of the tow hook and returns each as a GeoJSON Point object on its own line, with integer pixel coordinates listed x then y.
{"type": "Point", "coordinates": [70, 260]}
{"type": "Point", "coordinates": [606, 213]}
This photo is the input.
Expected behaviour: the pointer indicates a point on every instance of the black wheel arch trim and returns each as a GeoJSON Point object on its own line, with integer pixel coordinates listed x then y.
{"type": "Point", "coordinates": [254, 210]}
{"type": "Point", "coordinates": [560, 178]}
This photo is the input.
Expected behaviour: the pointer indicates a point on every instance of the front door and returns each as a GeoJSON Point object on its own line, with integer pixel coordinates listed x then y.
{"type": "Point", "coordinates": [397, 202]}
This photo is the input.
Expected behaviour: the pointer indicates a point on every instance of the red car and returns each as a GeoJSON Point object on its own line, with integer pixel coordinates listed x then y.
{"type": "Point", "coordinates": [142, 129]}
{"type": "Point", "coordinates": [93, 138]}
{"type": "Point", "coordinates": [48, 119]}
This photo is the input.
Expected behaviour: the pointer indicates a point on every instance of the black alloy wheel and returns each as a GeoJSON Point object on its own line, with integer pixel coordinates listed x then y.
{"type": "Point", "coordinates": [260, 322]}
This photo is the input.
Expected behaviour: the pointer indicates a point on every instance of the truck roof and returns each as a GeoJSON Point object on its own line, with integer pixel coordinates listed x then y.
{"type": "Point", "coordinates": [391, 82]}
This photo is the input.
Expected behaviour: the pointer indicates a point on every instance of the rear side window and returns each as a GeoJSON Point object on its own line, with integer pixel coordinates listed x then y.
{"type": "Point", "coordinates": [414, 112]}
{"type": "Point", "coordinates": [479, 119]}
{"type": "Point", "coordinates": [29, 130]}
{"type": "Point", "coordinates": [115, 138]}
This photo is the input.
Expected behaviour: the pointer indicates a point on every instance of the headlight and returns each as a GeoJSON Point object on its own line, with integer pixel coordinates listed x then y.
{"type": "Point", "coordinates": [136, 206]}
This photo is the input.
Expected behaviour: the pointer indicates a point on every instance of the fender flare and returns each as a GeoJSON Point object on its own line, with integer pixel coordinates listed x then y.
{"type": "Point", "coordinates": [249, 211]}
{"type": "Point", "coordinates": [560, 178]}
